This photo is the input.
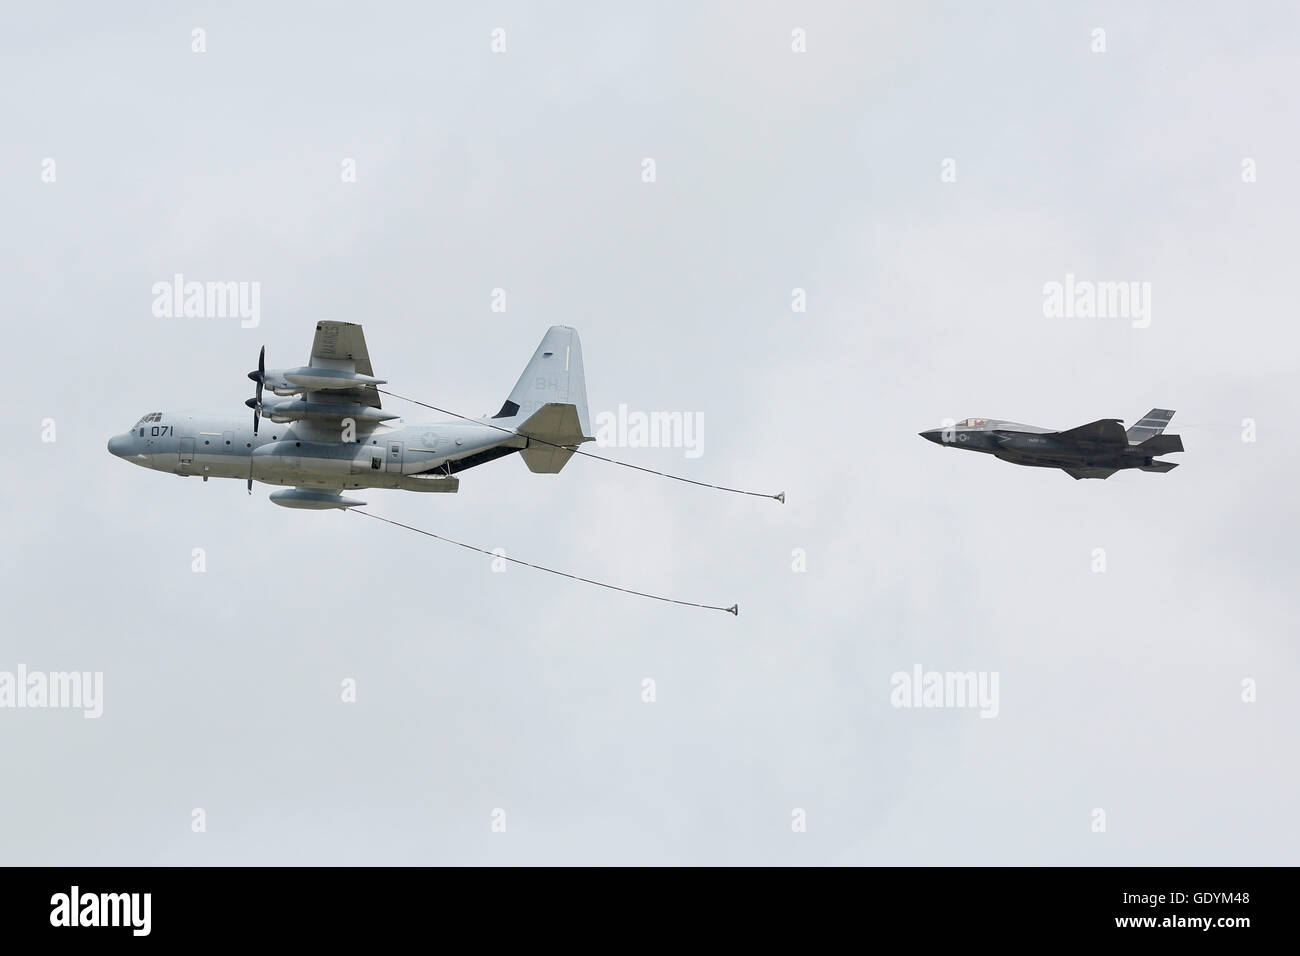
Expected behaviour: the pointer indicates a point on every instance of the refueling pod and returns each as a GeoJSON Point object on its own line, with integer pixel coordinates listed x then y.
{"type": "Point", "coordinates": [312, 500]}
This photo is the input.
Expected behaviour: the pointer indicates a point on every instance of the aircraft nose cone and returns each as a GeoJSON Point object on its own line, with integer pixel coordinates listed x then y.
{"type": "Point", "coordinates": [934, 434]}
{"type": "Point", "coordinates": [117, 445]}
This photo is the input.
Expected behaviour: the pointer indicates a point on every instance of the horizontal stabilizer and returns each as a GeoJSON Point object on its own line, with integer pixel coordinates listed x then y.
{"type": "Point", "coordinates": [1162, 444]}
{"type": "Point", "coordinates": [1077, 473]}
{"type": "Point", "coordinates": [1160, 466]}
{"type": "Point", "coordinates": [1106, 431]}
{"type": "Point", "coordinates": [545, 459]}
{"type": "Point", "coordinates": [552, 424]}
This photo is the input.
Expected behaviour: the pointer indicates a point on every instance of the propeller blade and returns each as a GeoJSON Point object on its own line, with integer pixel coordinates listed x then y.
{"type": "Point", "coordinates": [256, 403]}
{"type": "Point", "coordinates": [260, 373]}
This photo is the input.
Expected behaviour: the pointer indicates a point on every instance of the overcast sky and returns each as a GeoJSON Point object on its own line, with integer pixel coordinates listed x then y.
{"type": "Point", "coordinates": [775, 170]}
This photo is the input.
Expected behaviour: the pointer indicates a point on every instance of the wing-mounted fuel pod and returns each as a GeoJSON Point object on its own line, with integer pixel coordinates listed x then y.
{"type": "Point", "coordinates": [311, 499]}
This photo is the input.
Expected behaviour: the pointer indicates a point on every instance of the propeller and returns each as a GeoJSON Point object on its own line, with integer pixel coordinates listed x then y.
{"type": "Point", "coordinates": [259, 377]}
{"type": "Point", "coordinates": [255, 403]}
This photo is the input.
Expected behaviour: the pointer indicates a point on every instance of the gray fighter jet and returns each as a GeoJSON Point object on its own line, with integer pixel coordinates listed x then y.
{"type": "Point", "coordinates": [1096, 450]}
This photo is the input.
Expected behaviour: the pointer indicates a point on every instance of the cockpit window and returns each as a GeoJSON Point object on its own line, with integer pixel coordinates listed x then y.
{"type": "Point", "coordinates": [972, 422]}
{"type": "Point", "coordinates": [151, 417]}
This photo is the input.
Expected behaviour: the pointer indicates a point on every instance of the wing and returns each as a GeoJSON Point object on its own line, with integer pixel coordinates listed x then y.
{"type": "Point", "coordinates": [338, 382]}
{"type": "Point", "coordinates": [1105, 431]}
{"type": "Point", "coordinates": [342, 346]}
{"type": "Point", "coordinates": [1077, 473]}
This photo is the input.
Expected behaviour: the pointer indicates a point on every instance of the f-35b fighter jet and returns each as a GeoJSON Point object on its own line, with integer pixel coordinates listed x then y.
{"type": "Point", "coordinates": [1096, 450]}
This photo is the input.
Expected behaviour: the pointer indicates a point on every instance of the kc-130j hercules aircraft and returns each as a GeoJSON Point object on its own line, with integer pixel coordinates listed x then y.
{"type": "Point", "coordinates": [1096, 450]}
{"type": "Point", "coordinates": [330, 433]}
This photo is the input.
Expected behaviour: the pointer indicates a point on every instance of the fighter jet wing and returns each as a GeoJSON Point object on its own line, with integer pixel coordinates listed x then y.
{"type": "Point", "coordinates": [1077, 473]}
{"type": "Point", "coordinates": [1106, 431]}
{"type": "Point", "coordinates": [342, 345]}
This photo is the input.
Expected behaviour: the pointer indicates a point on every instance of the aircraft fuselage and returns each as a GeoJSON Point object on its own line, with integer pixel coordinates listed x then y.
{"type": "Point", "coordinates": [391, 455]}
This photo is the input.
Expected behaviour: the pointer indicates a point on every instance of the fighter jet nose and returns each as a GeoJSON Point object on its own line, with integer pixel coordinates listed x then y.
{"type": "Point", "coordinates": [934, 434]}
{"type": "Point", "coordinates": [117, 445]}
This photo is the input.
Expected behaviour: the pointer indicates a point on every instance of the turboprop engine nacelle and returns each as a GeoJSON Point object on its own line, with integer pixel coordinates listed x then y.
{"type": "Point", "coordinates": [300, 408]}
{"type": "Point", "coordinates": [306, 378]}
{"type": "Point", "coordinates": [322, 378]}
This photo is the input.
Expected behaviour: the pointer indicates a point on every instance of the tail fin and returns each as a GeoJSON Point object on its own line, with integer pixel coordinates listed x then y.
{"type": "Point", "coordinates": [1149, 425]}
{"type": "Point", "coordinates": [553, 378]}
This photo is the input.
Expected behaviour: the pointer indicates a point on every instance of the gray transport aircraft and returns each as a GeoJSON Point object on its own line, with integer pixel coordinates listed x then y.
{"type": "Point", "coordinates": [326, 431]}
{"type": "Point", "coordinates": [1096, 450]}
